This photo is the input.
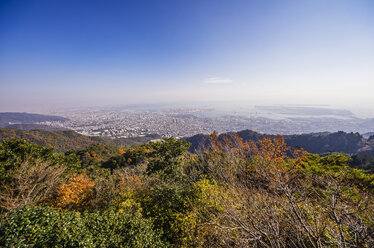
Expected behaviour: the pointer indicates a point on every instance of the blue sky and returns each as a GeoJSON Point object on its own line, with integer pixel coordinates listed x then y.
{"type": "Point", "coordinates": [82, 53]}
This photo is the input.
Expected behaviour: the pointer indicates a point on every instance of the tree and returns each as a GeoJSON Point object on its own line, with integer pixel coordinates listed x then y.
{"type": "Point", "coordinates": [30, 183]}
{"type": "Point", "coordinates": [77, 195]}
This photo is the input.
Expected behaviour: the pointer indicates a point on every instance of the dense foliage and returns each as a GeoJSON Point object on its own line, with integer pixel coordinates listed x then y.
{"type": "Point", "coordinates": [354, 144]}
{"type": "Point", "coordinates": [67, 139]}
{"type": "Point", "coordinates": [235, 194]}
{"type": "Point", "coordinates": [48, 227]}
{"type": "Point", "coordinates": [349, 143]}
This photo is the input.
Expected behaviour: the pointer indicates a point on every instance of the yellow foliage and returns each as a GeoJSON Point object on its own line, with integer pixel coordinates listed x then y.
{"type": "Point", "coordinates": [210, 195]}
{"type": "Point", "coordinates": [121, 150]}
{"type": "Point", "coordinates": [75, 195]}
{"type": "Point", "coordinates": [128, 202]}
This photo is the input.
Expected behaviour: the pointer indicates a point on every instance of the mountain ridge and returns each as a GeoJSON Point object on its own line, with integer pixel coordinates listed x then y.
{"type": "Point", "coordinates": [324, 142]}
{"type": "Point", "coordinates": [9, 118]}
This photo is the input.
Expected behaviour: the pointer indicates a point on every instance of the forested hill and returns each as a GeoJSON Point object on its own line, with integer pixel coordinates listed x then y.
{"type": "Point", "coordinates": [66, 140]}
{"type": "Point", "coordinates": [158, 195]}
{"type": "Point", "coordinates": [62, 140]}
{"type": "Point", "coordinates": [8, 118]}
{"type": "Point", "coordinates": [351, 143]}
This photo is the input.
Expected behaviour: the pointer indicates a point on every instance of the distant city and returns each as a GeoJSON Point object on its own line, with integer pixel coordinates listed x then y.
{"type": "Point", "coordinates": [185, 121]}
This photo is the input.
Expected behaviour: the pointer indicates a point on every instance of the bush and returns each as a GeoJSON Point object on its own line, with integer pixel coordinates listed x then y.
{"type": "Point", "coordinates": [44, 227]}
{"type": "Point", "coordinates": [110, 229]}
{"type": "Point", "coordinates": [15, 152]}
{"type": "Point", "coordinates": [48, 227]}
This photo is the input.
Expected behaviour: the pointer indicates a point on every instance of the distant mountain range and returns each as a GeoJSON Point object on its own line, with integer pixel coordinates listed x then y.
{"type": "Point", "coordinates": [350, 143]}
{"type": "Point", "coordinates": [10, 118]}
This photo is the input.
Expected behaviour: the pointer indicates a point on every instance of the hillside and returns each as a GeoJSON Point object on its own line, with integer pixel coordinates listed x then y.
{"type": "Point", "coordinates": [66, 140]}
{"type": "Point", "coordinates": [8, 118]}
{"type": "Point", "coordinates": [319, 143]}
{"type": "Point", "coordinates": [350, 143]}
{"type": "Point", "coordinates": [158, 195]}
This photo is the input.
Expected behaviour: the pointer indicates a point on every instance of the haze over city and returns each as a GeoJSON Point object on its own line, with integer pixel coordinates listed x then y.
{"type": "Point", "coordinates": [59, 54]}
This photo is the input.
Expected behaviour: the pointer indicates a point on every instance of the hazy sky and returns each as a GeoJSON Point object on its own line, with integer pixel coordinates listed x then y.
{"type": "Point", "coordinates": [71, 53]}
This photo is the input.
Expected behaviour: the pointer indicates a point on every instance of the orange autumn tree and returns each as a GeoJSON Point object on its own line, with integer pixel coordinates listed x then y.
{"type": "Point", "coordinates": [271, 160]}
{"type": "Point", "coordinates": [270, 152]}
{"type": "Point", "coordinates": [267, 156]}
{"type": "Point", "coordinates": [77, 194]}
{"type": "Point", "coordinates": [233, 143]}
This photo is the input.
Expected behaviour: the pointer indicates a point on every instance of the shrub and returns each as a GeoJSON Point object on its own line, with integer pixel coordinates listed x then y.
{"type": "Point", "coordinates": [44, 227]}
{"type": "Point", "coordinates": [48, 227]}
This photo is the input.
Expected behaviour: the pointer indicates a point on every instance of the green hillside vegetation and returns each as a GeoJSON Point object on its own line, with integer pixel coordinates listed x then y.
{"type": "Point", "coordinates": [234, 194]}
{"type": "Point", "coordinates": [66, 140]}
